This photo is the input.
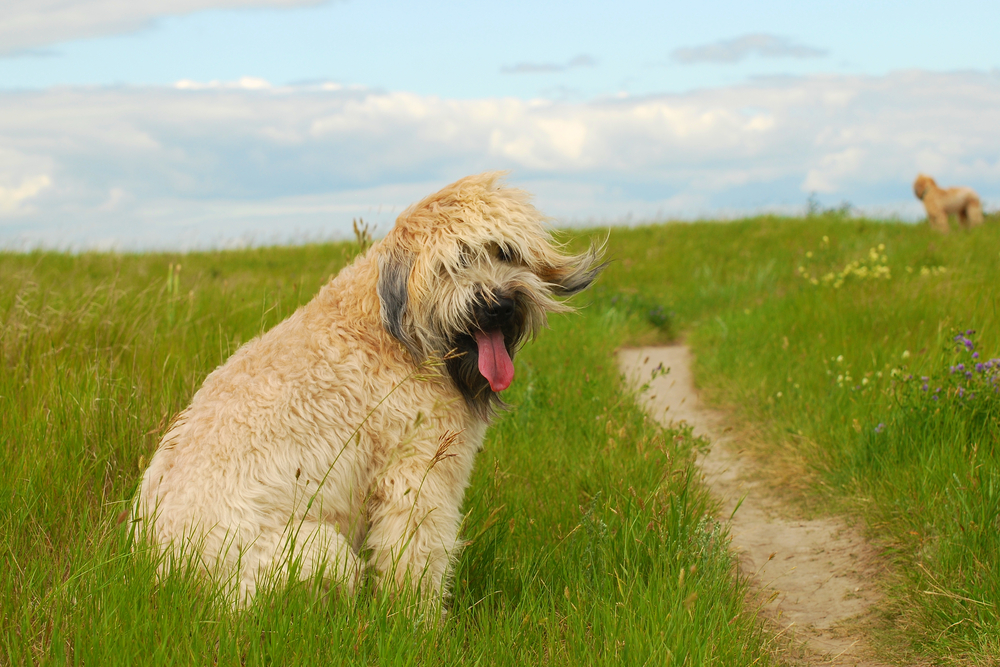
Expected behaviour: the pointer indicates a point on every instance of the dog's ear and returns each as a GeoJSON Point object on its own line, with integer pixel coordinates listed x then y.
{"type": "Point", "coordinates": [579, 273]}
{"type": "Point", "coordinates": [393, 277]}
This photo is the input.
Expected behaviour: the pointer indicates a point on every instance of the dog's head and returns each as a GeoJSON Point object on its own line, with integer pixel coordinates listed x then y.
{"type": "Point", "coordinates": [922, 185]}
{"type": "Point", "coordinates": [470, 273]}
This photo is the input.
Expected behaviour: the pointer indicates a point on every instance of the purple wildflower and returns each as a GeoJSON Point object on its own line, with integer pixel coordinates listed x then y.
{"type": "Point", "coordinates": [960, 367]}
{"type": "Point", "coordinates": [924, 387]}
{"type": "Point", "coordinates": [880, 427]}
{"type": "Point", "coordinates": [980, 367]}
{"type": "Point", "coordinates": [961, 392]}
{"type": "Point", "coordinates": [975, 355]}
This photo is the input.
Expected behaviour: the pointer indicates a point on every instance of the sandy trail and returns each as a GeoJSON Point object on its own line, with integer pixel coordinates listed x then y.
{"type": "Point", "coordinates": [819, 571]}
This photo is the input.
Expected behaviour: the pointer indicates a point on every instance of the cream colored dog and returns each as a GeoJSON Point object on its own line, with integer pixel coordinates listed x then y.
{"type": "Point", "coordinates": [940, 203]}
{"type": "Point", "coordinates": [342, 440]}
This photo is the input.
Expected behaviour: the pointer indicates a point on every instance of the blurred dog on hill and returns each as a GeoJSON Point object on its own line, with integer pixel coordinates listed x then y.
{"type": "Point", "coordinates": [341, 441]}
{"type": "Point", "coordinates": [940, 203]}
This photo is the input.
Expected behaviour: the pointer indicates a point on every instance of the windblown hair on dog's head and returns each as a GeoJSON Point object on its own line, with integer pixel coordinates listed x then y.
{"type": "Point", "coordinates": [471, 272]}
{"type": "Point", "coordinates": [923, 183]}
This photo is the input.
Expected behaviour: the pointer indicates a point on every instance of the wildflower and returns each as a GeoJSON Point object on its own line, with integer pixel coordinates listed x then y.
{"type": "Point", "coordinates": [906, 354]}
{"type": "Point", "coordinates": [975, 355]}
{"type": "Point", "coordinates": [880, 427]}
{"type": "Point", "coordinates": [980, 367]}
{"type": "Point", "coordinates": [779, 394]}
{"type": "Point", "coordinates": [924, 388]}
{"type": "Point", "coordinates": [864, 380]}
{"type": "Point", "coordinates": [840, 358]}
{"type": "Point", "coordinates": [809, 254]}
{"type": "Point", "coordinates": [826, 239]}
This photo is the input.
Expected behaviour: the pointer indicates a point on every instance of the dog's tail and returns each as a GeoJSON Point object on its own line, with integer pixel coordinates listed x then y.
{"type": "Point", "coordinates": [974, 209]}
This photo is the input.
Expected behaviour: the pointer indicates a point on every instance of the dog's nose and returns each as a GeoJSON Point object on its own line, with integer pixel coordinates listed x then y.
{"type": "Point", "coordinates": [503, 308]}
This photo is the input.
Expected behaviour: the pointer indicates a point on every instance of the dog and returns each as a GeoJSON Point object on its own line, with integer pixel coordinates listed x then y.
{"type": "Point", "coordinates": [940, 203]}
{"type": "Point", "coordinates": [339, 444]}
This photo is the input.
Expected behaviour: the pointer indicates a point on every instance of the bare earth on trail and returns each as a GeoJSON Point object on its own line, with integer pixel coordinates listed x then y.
{"type": "Point", "coordinates": [818, 571]}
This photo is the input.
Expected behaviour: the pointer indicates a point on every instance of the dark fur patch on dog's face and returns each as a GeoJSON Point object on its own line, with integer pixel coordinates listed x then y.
{"type": "Point", "coordinates": [505, 313]}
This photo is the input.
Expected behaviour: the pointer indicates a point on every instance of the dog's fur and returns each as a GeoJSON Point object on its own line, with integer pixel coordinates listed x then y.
{"type": "Point", "coordinates": [342, 440]}
{"type": "Point", "coordinates": [940, 203]}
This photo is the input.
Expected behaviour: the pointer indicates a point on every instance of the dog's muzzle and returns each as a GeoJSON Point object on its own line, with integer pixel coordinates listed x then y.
{"type": "Point", "coordinates": [492, 314]}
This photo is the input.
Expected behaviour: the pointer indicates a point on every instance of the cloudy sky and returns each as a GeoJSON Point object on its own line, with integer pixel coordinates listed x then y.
{"type": "Point", "coordinates": [192, 123]}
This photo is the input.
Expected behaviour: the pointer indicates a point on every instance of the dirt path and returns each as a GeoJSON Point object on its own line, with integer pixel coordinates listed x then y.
{"type": "Point", "coordinates": [818, 571]}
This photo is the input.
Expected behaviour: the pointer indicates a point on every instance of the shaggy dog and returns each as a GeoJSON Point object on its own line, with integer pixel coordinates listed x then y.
{"type": "Point", "coordinates": [341, 441]}
{"type": "Point", "coordinates": [941, 203]}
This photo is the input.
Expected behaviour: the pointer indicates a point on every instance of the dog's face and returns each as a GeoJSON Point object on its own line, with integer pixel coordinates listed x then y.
{"type": "Point", "coordinates": [469, 274]}
{"type": "Point", "coordinates": [922, 185]}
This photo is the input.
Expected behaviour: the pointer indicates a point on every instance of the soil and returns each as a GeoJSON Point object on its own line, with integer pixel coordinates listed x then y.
{"type": "Point", "coordinates": [814, 577]}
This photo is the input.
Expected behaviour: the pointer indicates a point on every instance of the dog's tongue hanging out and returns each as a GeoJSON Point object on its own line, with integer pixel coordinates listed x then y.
{"type": "Point", "coordinates": [494, 362]}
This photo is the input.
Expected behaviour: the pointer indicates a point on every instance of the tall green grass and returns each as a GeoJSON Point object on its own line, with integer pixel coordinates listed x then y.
{"type": "Point", "coordinates": [590, 539]}
{"type": "Point", "coordinates": [810, 343]}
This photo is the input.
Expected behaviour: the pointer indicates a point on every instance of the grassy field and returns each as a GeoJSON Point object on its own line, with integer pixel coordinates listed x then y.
{"type": "Point", "coordinates": [590, 540]}
{"type": "Point", "coordinates": [857, 355]}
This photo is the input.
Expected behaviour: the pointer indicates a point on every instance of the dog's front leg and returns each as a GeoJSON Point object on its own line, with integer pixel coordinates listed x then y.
{"type": "Point", "coordinates": [415, 519]}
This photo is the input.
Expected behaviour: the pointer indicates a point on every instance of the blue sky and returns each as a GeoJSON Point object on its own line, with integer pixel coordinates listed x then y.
{"type": "Point", "coordinates": [182, 123]}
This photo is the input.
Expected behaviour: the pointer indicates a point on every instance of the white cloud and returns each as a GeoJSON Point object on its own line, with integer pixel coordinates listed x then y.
{"type": "Point", "coordinates": [582, 60]}
{"type": "Point", "coordinates": [205, 162]}
{"type": "Point", "coordinates": [32, 24]}
{"type": "Point", "coordinates": [739, 48]}
{"type": "Point", "coordinates": [12, 198]}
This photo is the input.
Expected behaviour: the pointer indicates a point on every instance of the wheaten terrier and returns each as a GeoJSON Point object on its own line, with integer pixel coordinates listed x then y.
{"type": "Point", "coordinates": [940, 203]}
{"type": "Point", "coordinates": [341, 441]}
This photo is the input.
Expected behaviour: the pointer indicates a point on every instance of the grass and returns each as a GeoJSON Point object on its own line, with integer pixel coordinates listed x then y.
{"type": "Point", "coordinates": [810, 343]}
{"type": "Point", "coordinates": [590, 539]}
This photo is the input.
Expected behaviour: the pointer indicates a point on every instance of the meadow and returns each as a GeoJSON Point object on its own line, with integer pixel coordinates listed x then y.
{"type": "Point", "coordinates": [834, 342]}
{"type": "Point", "coordinates": [858, 358]}
{"type": "Point", "coordinates": [590, 540]}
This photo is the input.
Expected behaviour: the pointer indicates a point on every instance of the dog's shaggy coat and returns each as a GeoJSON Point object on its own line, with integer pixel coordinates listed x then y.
{"type": "Point", "coordinates": [342, 440]}
{"type": "Point", "coordinates": [940, 203]}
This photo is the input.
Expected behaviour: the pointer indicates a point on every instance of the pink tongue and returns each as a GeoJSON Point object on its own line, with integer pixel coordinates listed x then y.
{"type": "Point", "coordinates": [494, 362]}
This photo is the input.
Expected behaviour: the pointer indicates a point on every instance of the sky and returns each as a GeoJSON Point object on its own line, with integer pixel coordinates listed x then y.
{"type": "Point", "coordinates": [178, 124]}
